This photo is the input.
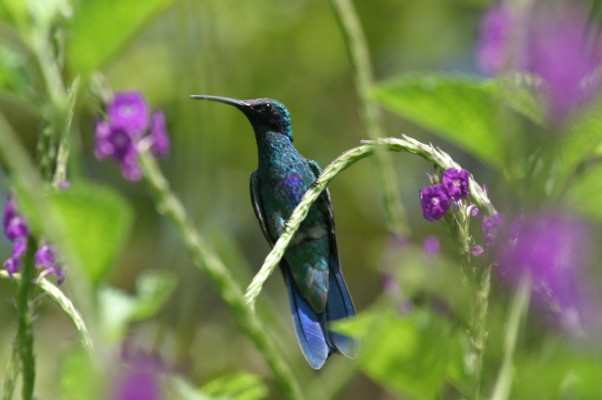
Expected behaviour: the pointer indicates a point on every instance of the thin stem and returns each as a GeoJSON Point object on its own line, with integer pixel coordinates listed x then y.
{"type": "Point", "coordinates": [479, 325]}
{"type": "Point", "coordinates": [518, 312]}
{"type": "Point", "coordinates": [357, 48]}
{"type": "Point", "coordinates": [404, 144]}
{"type": "Point", "coordinates": [62, 156]}
{"type": "Point", "coordinates": [12, 373]}
{"type": "Point", "coordinates": [24, 339]}
{"type": "Point", "coordinates": [207, 260]}
{"type": "Point", "coordinates": [65, 303]}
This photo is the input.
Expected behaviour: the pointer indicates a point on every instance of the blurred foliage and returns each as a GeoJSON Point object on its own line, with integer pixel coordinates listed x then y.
{"type": "Point", "coordinates": [406, 353]}
{"type": "Point", "coordinates": [148, 291]}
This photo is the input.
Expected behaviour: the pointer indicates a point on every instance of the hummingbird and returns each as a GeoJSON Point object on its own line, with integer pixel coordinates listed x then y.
{"type": "Point", "coordinates": [310, 266]}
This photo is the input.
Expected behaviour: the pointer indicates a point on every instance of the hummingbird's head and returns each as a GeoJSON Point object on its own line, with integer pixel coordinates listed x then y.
{"type": "Point", "coordinates": [264, 114]}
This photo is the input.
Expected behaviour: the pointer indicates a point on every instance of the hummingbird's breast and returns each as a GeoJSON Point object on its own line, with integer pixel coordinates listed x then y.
{"type": "Point", "coordinates": [286, 176]}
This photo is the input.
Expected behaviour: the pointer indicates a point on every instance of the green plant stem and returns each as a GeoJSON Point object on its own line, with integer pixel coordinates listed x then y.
{"type": "Point", "coordinates": [479, 325]}
{"type": "Point", "coordinates": [404, 144]}
{"type": "Point", "coordinates": [518, 312]}
{"type": "Point", "coordinates": [59, 111]}
{"type": "Point", "coordinates": [357, 49]}
{"type": "Point", "coordinates": [24, 339]}
{"type": "Point", "coordinates": [207, 260]}
{"type": "Point", "coordinates": [63, 301]}
{"type": "Point", "coordinates": [12, 373]}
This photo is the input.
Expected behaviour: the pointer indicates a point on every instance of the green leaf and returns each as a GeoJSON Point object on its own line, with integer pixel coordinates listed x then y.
{"type": "Point", "coordinates": [238, 386]}
{"type": "Point", "coordinates": [576, 145]}
{"type": "Point", "coordinates": [101, 28]}
{"type": "Point", "coordinates": [183, 390]}
{"type": "Point", "coordinates": [153, 289]}
{"type": "Point", "coordinates": [584, 196]}
{"type": "Point", "coordinates": [558, 374]}
{"type": "Point", "coordinates": [119, 309]}
{"type": "Point", "coordinates": [412, 355]}
{"type": "Point", "coordinates": [94, 221]}
{"type": "Point", "coordinates": [78, 379]}
{"type": "Point", "coordinates": [97, 221]}
{"type": "Point", "coordinates": [461, 109]}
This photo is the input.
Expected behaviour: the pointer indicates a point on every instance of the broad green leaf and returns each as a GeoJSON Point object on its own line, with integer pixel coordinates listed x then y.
{"type": "Point", "coordinates": [238, 386]}
{"type": "Point", "coordinates": [577, 144]}
{"type": "Point", "coordinates": [461, 109]}
{"type": "Point", "coordinates": [119, 309]}
{"type": "Point", "coordinates": [523, 93]}
{"type": "Point", "coordinates": [584, 196]}
{"type": "Point", "coordinates": [97, 221]}
{"type": "Point", "coordinates": [101, 28]}
{"type": "Point", "coordinates": [413, 354]}
{"type": "Point", "coordinates": [153, 289]}
{"type": "Point", "coordinates": [78, 379]}
{"type": "Point", "coordinates": [181, 389]}
{"type": "Point", "coordinates": [116, 308]}
{"type": "Point", "coordinates": [558, 374]}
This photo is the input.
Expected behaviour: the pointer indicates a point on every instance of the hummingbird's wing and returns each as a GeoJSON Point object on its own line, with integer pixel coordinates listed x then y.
{"type": "Point", "coordinates": [308, 326]}
{"type": "Point", "coordinates": [258, 209]}
{"type": "Point", "coordinates": [339, 304]}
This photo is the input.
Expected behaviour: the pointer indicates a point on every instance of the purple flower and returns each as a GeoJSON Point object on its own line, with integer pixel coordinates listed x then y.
{"type": "Point", "coordinates": [117, 144]}
{"type": "Point", "coordinates": [129, 112]}
{"type": "Point", "coordinates": [495, 32]}
{"type": "Point", "coordinates": [389, 285]}
{"type": "Point", "coordinates": [456, 183]}
{"type": "Point", "coordinates": [560, 52]}
{"type": "Point", "coordinates": [140, 376]}
{"type": "Point", "coordinates": [158, 135]}
{"type": "Point", "coordinates": [127, 123]}
{"type": "Point", "coordinates": [477, 250]}
{"type": "Point", "coordinates": [491, 228]}
{"type": "Point", "coordinates": [16, 230]}
{"type": "Point", "coordinates": [553, 42]}
{"type": "Point", "coordinates": [138, 384]}
{"type": "Point", "coordinates": [431, 245]}
{"type": "Point", "coordinates": [434, 201]}
{"type": "Point", "coordinates": [46, 258]}
{"type": "Point", "coordinates": [554, 249]}
{"type": "Point", "coordinates": [13, 264]}
{"type": "Point", "coordinates": [474, 211]}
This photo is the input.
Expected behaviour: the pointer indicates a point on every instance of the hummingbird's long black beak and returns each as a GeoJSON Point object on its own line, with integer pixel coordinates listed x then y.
{"type": "Point", "coordinates": [240, 104]}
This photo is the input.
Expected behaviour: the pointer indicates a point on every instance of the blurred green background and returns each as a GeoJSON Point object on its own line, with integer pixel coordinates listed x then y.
{"type": "Point", "coordinates": [292, 51]}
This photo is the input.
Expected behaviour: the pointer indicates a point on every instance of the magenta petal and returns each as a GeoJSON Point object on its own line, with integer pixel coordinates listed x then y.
{"type": "Point", "coordinates": [434, 201]}
{"type": "Point", "coordinates": [129, 112]}
{"type": "Point", "coordinates": [158, 135]}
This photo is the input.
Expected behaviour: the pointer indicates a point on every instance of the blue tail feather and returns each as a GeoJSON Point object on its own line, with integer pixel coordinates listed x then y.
{"type": "Point", "coordinates": [307, 324]}
{"type": "Point", "coordinates": [339, 306]}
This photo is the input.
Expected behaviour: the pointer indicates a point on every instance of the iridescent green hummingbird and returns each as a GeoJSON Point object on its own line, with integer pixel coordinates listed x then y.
{"type": "Point", "coordinates": [317, 292]}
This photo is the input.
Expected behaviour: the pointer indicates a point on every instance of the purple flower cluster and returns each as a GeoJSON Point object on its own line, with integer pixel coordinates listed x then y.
{"type": "Point", "coordinates": [436, 199]}
{"type": "Point", "coordinates": [492, 54]}
{"type": "Point", "coordinates": [17, 231]}
{"type": "Point", "coordinates": [128, 121]}
{"type": "Point", "coordinates": [555, 45]}
{"type": "Point", "coordinates": [491, 228]}
{"type": "Point", "coordinates": [554, 249]}
{"type": "Point", "coordinates": [140, 376]}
